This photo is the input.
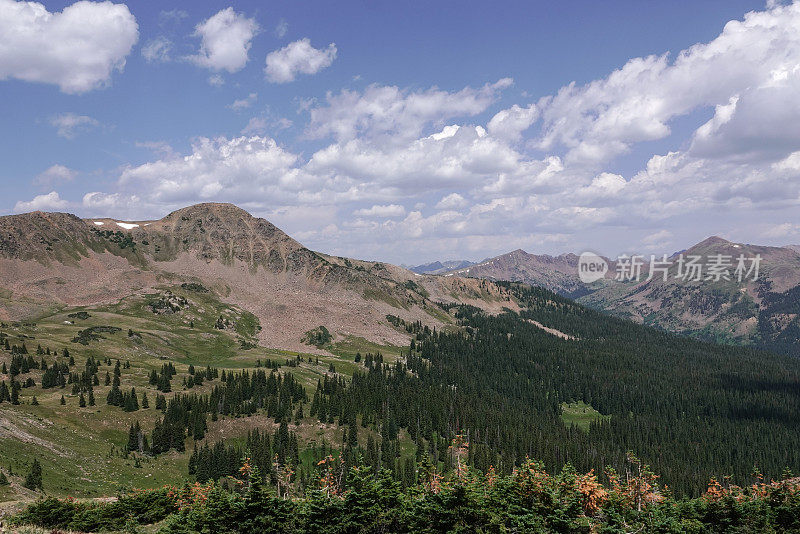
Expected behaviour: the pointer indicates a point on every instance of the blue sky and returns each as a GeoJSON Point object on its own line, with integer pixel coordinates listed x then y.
{"type": "Point", "coordinates": [413, 131]}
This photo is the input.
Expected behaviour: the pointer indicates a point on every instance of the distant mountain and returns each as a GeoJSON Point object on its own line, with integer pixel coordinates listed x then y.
{"type": "Point", "coordinates": [556, 273]}
{"type": "Point", "coordinates": [56, 259]}
{"type": "Point", "coordinates": [438, 267]}
{"type": "Point", "coordinates": [796, 248]}
{"type": "Point", "coordinates": [763, 312]}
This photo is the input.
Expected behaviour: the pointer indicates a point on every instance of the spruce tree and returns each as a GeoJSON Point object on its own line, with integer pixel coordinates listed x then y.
{"type": "Point", "coordinates": [14, 392]}
{"type": "Point", "coordinates": [33, 480]}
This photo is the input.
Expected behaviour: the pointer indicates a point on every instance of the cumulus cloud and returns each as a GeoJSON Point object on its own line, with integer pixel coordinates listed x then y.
{"type": "Point", "coordinates": [237, 169]}
{"type": "Point", "coordinates": [77, 48]}
{"type": "Point", "coordinates": [68, 125]}
{"type": "Point", "coordinates": [299, 57]}
{"type": "Point", "coordinates": [384, 211]}
{"type": "Point", "coordinates": [452, 201]}
{"type": "Point", "coordinates": [447, 173]}
{"type": "Point", "coordinates": [391, 112]}
{"type": "Point", "coordinates": [635, 103]}
{"type": "Point", "coordinates": [225, 41]}
{"type": "Point", "coordinates": [50, 201]}
{"type": "Point", "coordinates": [55, 174]}
{"type": "Point", "coordinates": [509, 123]}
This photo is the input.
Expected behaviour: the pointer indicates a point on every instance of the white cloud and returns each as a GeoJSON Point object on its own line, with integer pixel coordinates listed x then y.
{"type": "Point", "coordinates": [529, 175]}
{"type": "Point", "coordinates": [240, 170]}
{"type": "Point", "coordinates": [299, 57]}
{"type": "Point", "coordinates": [50, 201]}
{"type": "Point", "coordinates": [452, 201]}
{"type": "Point", "coordinates": [390, 112]}
{"type": "Point", "coordinates": [68, 125]}
{"type": "Point", "coordinates": [216, 80]}
{"type": "Point", "coordinates": [77, 49]}
{"type": "Point", "coordinates": [509, 123]}
{"type": "Point", "coordinates": [244, 103]}
{"type": "Point", "coordinates": [226, 40]}
{"type": "Point", "coordinates": [635, 103]}
{"type": "Point", "coordinates": [55, 174]}
{"type": "Point", "coordinates": [157, 50]}
{"type": "Point", "coordinates": [384, 211]}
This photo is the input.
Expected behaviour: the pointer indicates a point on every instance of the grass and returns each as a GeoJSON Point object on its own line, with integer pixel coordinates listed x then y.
{"type": "Point", "coordinates": [580, 414]}
{"type": "Point", "coordinates": [81, 449]}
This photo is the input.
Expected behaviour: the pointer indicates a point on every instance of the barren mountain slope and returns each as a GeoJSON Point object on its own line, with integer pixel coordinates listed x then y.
{"type": "Point", "coordinates": [51, 259]}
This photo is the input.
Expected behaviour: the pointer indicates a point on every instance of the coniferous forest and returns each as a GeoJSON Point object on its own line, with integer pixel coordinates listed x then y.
{"type": "Point", "coordinates": [684, 426]}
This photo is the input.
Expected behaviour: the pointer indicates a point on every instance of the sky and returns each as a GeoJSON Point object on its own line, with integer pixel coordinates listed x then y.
{"type": "Point", "coordinates": [413, 131]}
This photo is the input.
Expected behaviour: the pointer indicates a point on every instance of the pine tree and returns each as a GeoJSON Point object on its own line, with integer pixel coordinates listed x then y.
{"type": "Point", "coordinates": [91, 397]}
{"type": "Point", "coordinates": [34, 401]}
{"type": "Point", "coordinates": [3, 479]}
{"type": "Point", "coordinates": [145, 402]}
{"type": "Point", "coordinates": [133, 437]}
{"type": "Point", "coordinates": [14, 392]}
{"type": "Point", "coordinates": [63, 400]}
{"type": "Point", "coordinates": [33, 480]}
{"type": "Point", "coordinates": [82, 401]}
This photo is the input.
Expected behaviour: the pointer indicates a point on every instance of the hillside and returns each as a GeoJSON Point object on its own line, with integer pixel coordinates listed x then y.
{"type": "Point", "coordinates": [53, 259]}
{"type": "Point", "coordinates": [557, 382]}
{"type": "Point", "coordinates": [139, 354]}
{"type": "Point", "coordinates": [762, 312]}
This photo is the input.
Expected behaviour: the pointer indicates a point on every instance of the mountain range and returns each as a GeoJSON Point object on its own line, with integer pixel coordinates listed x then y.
{"type": "Point", "coordinates": [59, 259]}
{"type": "Point", "coordinates": [762, 311]}
{"type": "Point", "coordinates": [222, 332]}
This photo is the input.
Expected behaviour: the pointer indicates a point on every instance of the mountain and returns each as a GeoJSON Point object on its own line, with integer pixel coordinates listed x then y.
{"type": "Point", "coordinates": [144, 354]}
{"type": "Point", "coordinates": [763, 312]}
{"type": "Point", "coordinates": [58, 259]}
{"type": "Point", "coordinates": [438, 267]}
{"type": "Point", "coordinates": [556, 273]}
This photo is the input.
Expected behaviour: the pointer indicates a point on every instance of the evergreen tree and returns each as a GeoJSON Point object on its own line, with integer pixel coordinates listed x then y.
{"type": "Point", "coordinates": [33, 480]}
{"type": "Point", "coordinates": [14, 392]}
